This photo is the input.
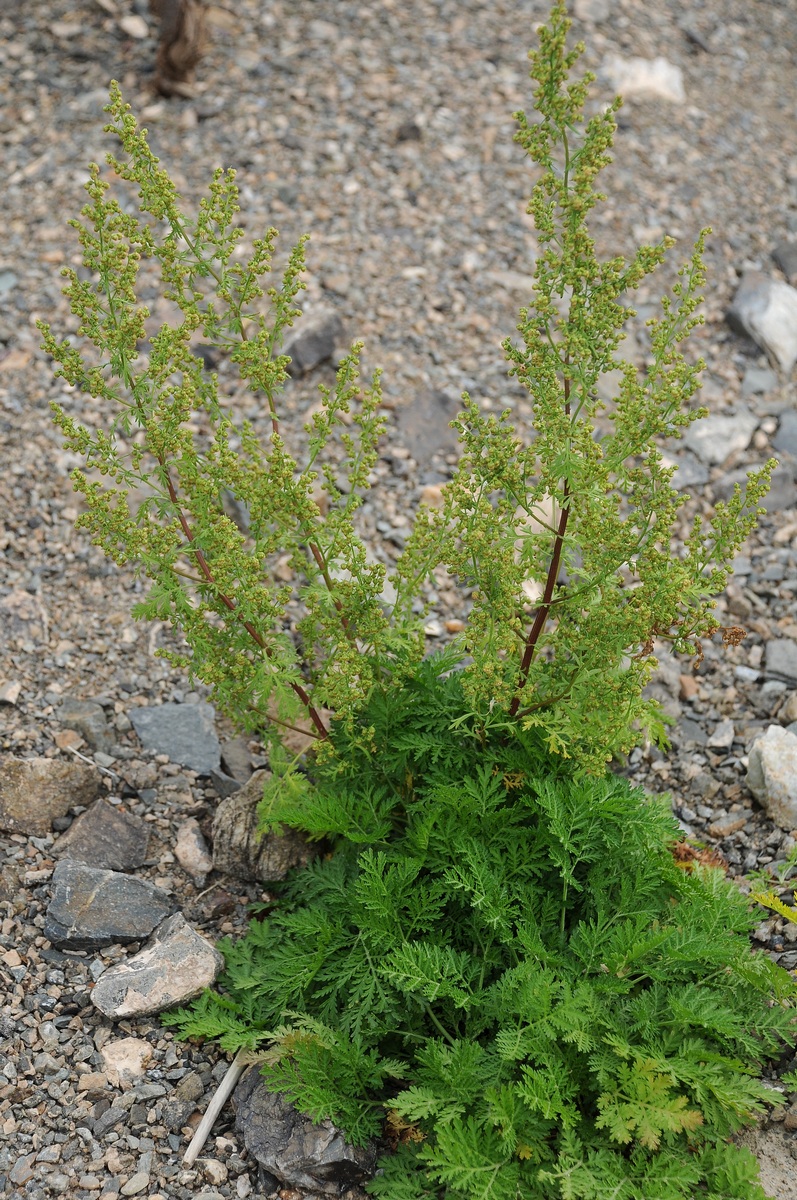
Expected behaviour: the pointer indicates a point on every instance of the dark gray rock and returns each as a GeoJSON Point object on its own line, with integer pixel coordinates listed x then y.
{"type": "Point", "coordinates": [313, 340]}
{"type": "Point", "coordinates": [91, 908]}
{"type": "Point", "coordinates": [237, 848]}
{"type": "Point", "coordinates": [290, 1147]}
{"type": "Point", "coordinates": [687, 731]}
{"type": "Point", "coordinates": [781, 660]}
{"type": "Point", "coordinates": [34, 791]}
{"type": "Point", "coordinates": [225, 785]}
{"type": "Point", "coordinates": [236, 758]}
{"type": "Point", "coordinates": [765, 310]}
{"type": "Point", "coordinates": [785, 256]}
{"type": "Point", "coordinates": [183, 731]}
{"type": "Point", "coordinates": [424, 425]}
{"type": "Point", "coordinates": [109, 1120]}
{"type": "Point", "coordinates": [88, 719]}
{"type": "Point", "coordinates": [785, 439]}
{"type": "Point", "coordinates": [182, 1102]}
{"type": "Point", "coordinates": [175, 965]}
{"type": "Point", "coordinates": [105, 837]}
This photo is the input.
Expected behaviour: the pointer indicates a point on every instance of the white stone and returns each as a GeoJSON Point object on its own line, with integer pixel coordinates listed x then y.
{"type": "Point", "coordinates": [772, 775]}
{"type": "Point", "coordinates": [126, 1060]}
{"type": "Point", "coordinates": [651, 77]}
{"type": "Point", "coordinates": [215, 1171]}
{"type": "Point", "coordinates": [134, 26]}
{"type": "Point", "coordinates": [715, 437]}
{"type": "Point", "coordinates": [722, 737]}
{"type": "Point", "coordinates": [766, 310]}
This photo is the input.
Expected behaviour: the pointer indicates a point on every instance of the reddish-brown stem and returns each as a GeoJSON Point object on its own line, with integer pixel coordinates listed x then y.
{"type": "Point", "coordinates": [231, 605]}
{"type": "Point", "coordinates": [544, 609]}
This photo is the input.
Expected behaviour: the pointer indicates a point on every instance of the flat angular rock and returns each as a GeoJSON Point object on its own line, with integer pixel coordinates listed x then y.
{"type": "Point", "coordinates": [772, 774]}
{"type": "Point", "coordinates": [175, 965]}
{"type": "Point", "coordinates": [92, 908]}
{"type": "Point", "coordinates": [290, 1147]}
{"type": "Point", "coordinates": [225, 785]}
{"type": "Point", "coordinates": [313, 340]}
{"type": "Point", "coordinates": [34, 791]}
{"type": "Point", "coordinates": [424, 425]}
{"type": "Point", "coordinates": [785, 439]}
{"type": "Point", "coordinates": [766, 310]}
{"type": "Point", "coordinates": [22, 618]}
{"type": "Point", "coordinates": [723, 735]}
{"type": "Point", "coordinates": [236, 758]}
{"type": "Point", "coordinates": [649, 78]}
{"type": "Point", "coordinates": [758, 381]}
{"type": "Point", "coordinates": [105, 837]}
{"type": "Point", "coordinates": [781, 660]}
{"type": "Point", "coordinates": [717, 436]}
{"type": "Point", "coordinates": [183, 731]}
{"type": "Point", "coordinates": [237, 849]}
{"type": "Point", "coordinates": [689, 470]}
{"type": "Point", "coordinates": [88, 718]}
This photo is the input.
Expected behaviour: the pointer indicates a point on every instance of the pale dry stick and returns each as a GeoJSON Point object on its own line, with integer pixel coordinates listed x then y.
{"type": "Point", "coordinates": [223, 1093]}
{"type": "Point", "coordinates": [92, 763]}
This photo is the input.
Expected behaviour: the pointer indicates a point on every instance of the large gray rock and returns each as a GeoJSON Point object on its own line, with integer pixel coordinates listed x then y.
{"type": "Point", "coordinates": [290, 1147]}
{"type": "Point", "coordinates": [785, 439]}
{"type": "Point", "coordinates": [238, 850]}
{"type": "Point", "coordinates": [766, 310]}
{"type": "Point", "coordinates": [313, 340]}
{"type": "Point", "coordinates": [175, 965]}
{"type": "Point", "coordinates": [22, 619]}
{"type": "Point", "coordinates": [717, 436]}
{"type": "Point", "coordinates": [105, 837]}
{"type": "Point", "coordinates": [781, 660]}
{"type": "Point", "coordinates": [91, 908]}
{"type": "Point", "coordinates": [690, 472]}
{"type": "Point", "coordinates": [772, 775]}
{"type": "Point", "coordinates": [183, 731]}
{"type": "Point", "coordinates": [424, 425]}
{"type": "Point", "coordinates": [87, 718]}
{"type": "Point", "coordinates": [34, 791]}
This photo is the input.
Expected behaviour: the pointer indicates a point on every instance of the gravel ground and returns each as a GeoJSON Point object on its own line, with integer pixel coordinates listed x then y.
{"type": "Point", "coordinates": [386, 131]}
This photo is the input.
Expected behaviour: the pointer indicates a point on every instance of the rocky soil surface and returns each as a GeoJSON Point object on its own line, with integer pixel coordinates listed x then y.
{"type": "Point", "coordinates": [385, 130]}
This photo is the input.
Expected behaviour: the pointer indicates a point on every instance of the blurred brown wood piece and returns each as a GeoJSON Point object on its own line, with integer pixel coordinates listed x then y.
{"type": "Point", "coordinates": [180, 44]}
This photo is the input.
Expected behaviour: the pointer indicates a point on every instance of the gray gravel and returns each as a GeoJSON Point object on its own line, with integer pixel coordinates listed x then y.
{"type": "Point", "coordinates": [386, 131]}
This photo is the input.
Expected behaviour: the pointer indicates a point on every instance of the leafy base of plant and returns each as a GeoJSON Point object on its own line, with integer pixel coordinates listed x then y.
{"type": "Point", "coordinates": [504, 967]}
